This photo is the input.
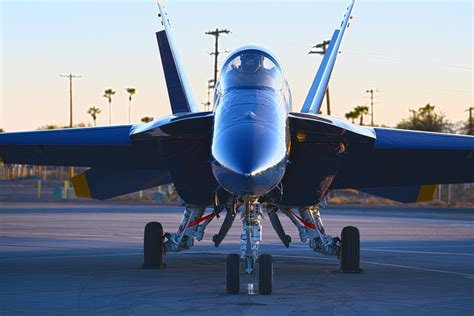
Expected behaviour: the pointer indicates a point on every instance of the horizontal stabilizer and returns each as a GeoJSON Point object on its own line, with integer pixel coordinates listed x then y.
{"type": "Point", "coordinates": [179, 89]}
{"type": "Point", "coordinates": [411, 194]}
{"type": "Point", "coordinates": [104, 183]}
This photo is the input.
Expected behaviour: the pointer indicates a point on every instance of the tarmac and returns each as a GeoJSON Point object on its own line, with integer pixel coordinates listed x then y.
{"type": "Point", "coordinates": [74, 258]}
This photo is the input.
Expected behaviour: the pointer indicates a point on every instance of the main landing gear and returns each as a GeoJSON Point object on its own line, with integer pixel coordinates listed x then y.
{"type": "Point", "coordinates": [306, 219]}
{"type": "Point", "coordinates": [155, 246]}
{"type": "Point", "coordinates": [310, 227]}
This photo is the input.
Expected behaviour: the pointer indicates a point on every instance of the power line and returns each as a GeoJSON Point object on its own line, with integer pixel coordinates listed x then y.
{"type": "Point", "coordinates": [216, 33]}
{"type": "Point", "coordinates": [323, 46]}
{"type": "Point", "coordinates": [70, 77]}
{"type": "Point", "coordinates": [371, 92]}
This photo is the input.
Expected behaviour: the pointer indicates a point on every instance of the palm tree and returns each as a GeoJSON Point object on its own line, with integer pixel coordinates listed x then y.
{"type": "Point", "coordinates": [146, 119]}
{"type": "Point", "coordinates": [131, 92]}
{"type": "Point", "coordinates": [361, 110]}
{"type": "Point", "coordinates": [108, 95]}
{"type": "Point", "coordinates": [94, 111]}
{"type": "Point", "coordinates": [352, 115]}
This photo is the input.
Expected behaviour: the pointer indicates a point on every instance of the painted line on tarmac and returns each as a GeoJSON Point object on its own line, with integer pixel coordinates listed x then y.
{"type": "Point", "coordinates": [424, 247]}
{"type": "Point", "coordinates": [400, 249]}
{"type": "Point", "coordinates": [420, 252]}
{"type": "Point", "coordinates": [419, 268]}
{"type": "Point", "coordinates": [388, 265]}
{"type": "Point", "coordinates": [467, 275]}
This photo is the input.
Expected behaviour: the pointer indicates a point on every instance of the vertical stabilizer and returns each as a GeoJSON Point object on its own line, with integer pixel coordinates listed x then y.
{"type": "Point", "coordinates": [179, 89]}
{"type": "Point", "coordinates": [315, 96]}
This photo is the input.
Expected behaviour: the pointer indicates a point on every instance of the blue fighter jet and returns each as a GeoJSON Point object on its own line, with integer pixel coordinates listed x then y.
{"type": "Point", "coordinates": [250, 155]}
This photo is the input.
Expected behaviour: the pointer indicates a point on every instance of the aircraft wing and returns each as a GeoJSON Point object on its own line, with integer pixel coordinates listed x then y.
{"type": "Point", "coordinates": [328, 153]}
{"type": "Point", "coordinates": [407, 158]}
{"type": "Point", "coordinates": [122, 159]}
{"type": "Point", "coordinates": [79, 147]}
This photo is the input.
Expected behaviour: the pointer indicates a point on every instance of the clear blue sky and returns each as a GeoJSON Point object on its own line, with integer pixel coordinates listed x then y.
{"type": "Point", "coordinates": [414, 52]}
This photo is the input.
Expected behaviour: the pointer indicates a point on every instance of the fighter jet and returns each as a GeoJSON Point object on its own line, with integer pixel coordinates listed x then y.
{"type": "Point", "coordinates": [251, 155]}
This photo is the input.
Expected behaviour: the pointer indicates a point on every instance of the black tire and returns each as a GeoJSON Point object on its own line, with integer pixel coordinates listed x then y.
{"type": "Point", "coordinates": [233, 274]}
{"type": "Point", "coordinates": [350, 250]}
{"type": "Point", "coordinates": [153, 245]}
{"type": "Point", "coordinates": [265, 274]}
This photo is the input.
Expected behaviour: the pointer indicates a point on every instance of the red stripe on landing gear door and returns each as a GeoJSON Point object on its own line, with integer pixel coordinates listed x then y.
{"type": "Point", "coordinates": [302, 220]}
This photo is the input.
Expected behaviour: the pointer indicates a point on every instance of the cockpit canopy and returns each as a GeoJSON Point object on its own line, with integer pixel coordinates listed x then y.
{"type": "Point", "coordinates": [251, 68]}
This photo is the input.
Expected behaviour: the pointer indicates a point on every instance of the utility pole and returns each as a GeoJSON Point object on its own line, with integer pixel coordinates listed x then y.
{"type": "Point", "coordinates": [371, 92]}
{"type": "Point", "coordinates": [216, 33]}
{"type": "Point", "coordinates": [471, 127]}
{"type": "Point", "coordinates": [323, 46]}
{"type": "Point", "coordinates": [71, 123]}
{"type": "Point", "coordinates": [70, 77]}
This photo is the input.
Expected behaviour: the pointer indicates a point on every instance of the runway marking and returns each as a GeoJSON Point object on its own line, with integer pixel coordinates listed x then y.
{"type": "Point", "coordinates": [467, 275]}
{"type": "Point", "coordinates": [418, 268]}
{"type": "Point", "coordinates": [420, 252]}
{"type": "Point", "coordinates": [417, 247]}
{"type": "Point", "coordinates": [388, 265]}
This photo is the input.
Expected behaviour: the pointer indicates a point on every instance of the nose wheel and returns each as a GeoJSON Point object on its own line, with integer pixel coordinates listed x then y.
{"type": "Point", "coordinates": [265, 274]}
{"type": "Point", "coordinates": [233, 274]}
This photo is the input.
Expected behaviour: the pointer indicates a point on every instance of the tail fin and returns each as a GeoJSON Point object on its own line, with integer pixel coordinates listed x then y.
{"type": "Point", "coordinates": [318, 88]}
{"type": "Point", "coordinates": [179, 89]}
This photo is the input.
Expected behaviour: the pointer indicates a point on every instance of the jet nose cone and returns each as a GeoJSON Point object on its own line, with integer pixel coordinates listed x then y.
{"type": "Point", "coordinates": [250, 158]}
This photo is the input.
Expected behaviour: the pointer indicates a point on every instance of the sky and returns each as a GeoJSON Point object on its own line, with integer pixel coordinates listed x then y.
{"type": "Point", "coordinates": [413, 52]}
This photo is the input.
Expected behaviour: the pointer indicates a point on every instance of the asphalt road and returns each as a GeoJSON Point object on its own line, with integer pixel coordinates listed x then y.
{"type": "Point", "coordinates": [82, 259]}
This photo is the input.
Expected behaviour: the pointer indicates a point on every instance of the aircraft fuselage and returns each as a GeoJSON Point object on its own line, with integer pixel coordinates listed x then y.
{"type": "Point", "coordinates": [251, 140]}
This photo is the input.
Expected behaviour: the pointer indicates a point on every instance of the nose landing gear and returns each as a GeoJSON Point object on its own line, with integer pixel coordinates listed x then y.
{"type": "Point", "coordinates": [249, 242]}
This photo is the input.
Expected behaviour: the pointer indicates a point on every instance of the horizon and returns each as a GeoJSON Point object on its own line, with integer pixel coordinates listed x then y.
{"type": "Point", "coordinates": [426, 59]}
